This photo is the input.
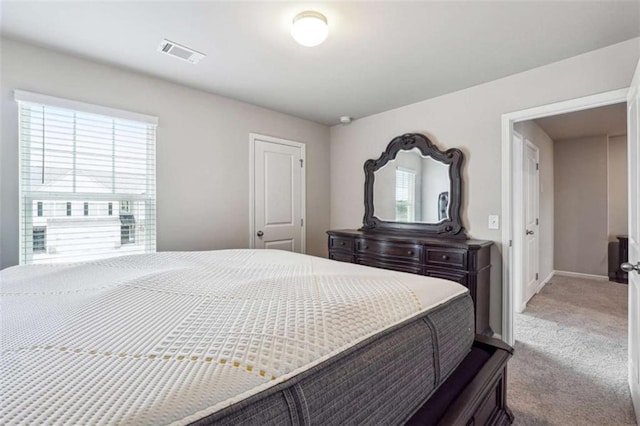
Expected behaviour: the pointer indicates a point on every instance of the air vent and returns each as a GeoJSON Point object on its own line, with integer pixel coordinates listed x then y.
{"type": "Point", "coordinates": [179, 51]}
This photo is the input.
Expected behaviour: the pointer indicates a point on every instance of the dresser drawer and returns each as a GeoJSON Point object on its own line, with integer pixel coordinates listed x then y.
{"type": "Point", "coordinates": [340, 243]}
{"type": "Point", "coordinates": [447, 257]}
{"type": "Point", "coordinates": [448, 274]}
{"type": "Point", "coordinates": [376, 262]}
{"type": "Point", "coordinates": [406, 252]}
{"type": "Point", "coordinates": [340, 256]}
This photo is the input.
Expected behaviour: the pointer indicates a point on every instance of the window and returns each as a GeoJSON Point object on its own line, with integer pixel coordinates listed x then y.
{"type": "Point", "coordinates": [39, 236]}
{"type": "Point", "coordinates": [127, 228]}
{"type": "Point", "coordinates": [77, 155]}
{"type": "Point", "coordinates": [405, 195]}
{"type": "Point", "coordinates": [125, 207]}
{"type": "Point", "coordinates": [127, 234]}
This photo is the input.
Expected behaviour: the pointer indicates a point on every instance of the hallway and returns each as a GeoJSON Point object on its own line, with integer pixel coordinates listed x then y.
{"type": "Point", "coordinates": [570, 364]}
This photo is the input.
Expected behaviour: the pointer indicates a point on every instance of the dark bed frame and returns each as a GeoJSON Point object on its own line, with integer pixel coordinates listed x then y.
{"type": "Point", "coordinates": [475, 393]}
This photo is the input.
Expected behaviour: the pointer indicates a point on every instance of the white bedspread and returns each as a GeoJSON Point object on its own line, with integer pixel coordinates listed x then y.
{"type": "Point", "coordinates": [171, 337]}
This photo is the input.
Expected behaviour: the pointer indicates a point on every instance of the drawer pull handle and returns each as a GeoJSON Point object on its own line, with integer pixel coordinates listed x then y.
{"type": "Point", "coordinates": [342, 243]}
{"type": "Point", "coordinates": [410, 252]}
{"type": "Point", "coordinates": [445, 257]}
{"type": "Point", "coordinates": [366, 247]}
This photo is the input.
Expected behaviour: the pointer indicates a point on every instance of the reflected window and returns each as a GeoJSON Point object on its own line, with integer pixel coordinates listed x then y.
{"type": "Point", "coordinates": [405, 195]}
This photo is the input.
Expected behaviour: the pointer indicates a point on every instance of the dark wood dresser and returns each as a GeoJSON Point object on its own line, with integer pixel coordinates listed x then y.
{"type": "Point", "coordinates": [467, 262]}
{"type": "Point", "coordinates": [623, 256]}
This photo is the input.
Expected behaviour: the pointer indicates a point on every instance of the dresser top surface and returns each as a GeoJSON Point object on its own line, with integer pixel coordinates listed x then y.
{"type": "Point", "coordinates": [444, 242]}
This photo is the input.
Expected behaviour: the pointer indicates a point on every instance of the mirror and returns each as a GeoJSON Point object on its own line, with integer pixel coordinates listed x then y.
{"type": "Point", "coordinates": [414, 187]}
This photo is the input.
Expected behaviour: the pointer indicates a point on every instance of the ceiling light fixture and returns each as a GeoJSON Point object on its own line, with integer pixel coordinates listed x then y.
{"type": "Point", "coordinates": [309, 28]}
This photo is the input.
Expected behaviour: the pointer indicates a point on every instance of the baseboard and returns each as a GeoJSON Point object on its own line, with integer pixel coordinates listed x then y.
{"type": "Point", "coordinates": [545, 281]}
{"type": "Point", "coordinates": [581, 275]}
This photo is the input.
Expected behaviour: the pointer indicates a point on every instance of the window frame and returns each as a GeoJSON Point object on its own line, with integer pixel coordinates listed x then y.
{"type": "Point", "coordinates": [27, 195]}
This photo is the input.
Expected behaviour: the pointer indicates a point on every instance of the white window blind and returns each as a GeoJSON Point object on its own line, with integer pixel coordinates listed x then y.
{"type": "Point", "coordinates": [405, 195]}
{"type": "Point", "coordinates": [87, 181]}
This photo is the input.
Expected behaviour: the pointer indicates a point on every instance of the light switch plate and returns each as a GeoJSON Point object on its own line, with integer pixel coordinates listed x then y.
{"type": "Point", "coordinates": [494, 221]}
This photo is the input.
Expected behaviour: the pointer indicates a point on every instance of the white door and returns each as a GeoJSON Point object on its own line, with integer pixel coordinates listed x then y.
{"type": "Point", "coordinates": [633, 123]}
{"type": "Point", "coordinates": [278, 194]}
{"type": "Point", "coordinates": [531, 193]}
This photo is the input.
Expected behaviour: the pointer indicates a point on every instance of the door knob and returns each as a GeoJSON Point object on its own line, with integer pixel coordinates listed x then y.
{"type": "Point", "coordinates": [529, 232]}
{"type": "Point", "coordinates": [628, 267]}
{"type": "Point", "coordinates": [260, 234]}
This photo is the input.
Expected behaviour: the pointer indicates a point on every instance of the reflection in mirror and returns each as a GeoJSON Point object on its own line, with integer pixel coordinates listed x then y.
{"type": "Point", "coordinates": [412, 188]}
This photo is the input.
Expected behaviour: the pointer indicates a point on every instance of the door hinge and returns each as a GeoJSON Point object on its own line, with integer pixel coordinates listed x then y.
{"type": "Point", "coordinates": [301, 222]}
{"type": "Point", "coordinates": [537, 222]}
{"type": "Point", "coordinates": [537, 166]}
{"type": "Point", "coordinates": [510, 243]}
{"type": "Point", "coordinates": [536, 275]}
{"type": "Point", "coordinates": [301, 162]}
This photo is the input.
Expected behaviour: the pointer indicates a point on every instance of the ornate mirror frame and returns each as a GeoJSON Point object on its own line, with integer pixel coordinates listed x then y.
{"type": "Point", "coordinates": [450, 228]}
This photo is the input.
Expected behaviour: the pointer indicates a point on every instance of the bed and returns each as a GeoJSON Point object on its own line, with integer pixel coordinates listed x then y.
{"type": "Point", "coordinates": [234, 337]}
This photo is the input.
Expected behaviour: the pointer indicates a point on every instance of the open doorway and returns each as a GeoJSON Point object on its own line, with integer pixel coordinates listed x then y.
{"type": "Point", "coordinates": [573, 196]}
{"type": "Point", "coordinates": [512, 203]}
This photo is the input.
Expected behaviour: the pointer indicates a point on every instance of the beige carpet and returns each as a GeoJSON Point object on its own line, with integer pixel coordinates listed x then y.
{"type": "Point", "coordinates": [570, 364]}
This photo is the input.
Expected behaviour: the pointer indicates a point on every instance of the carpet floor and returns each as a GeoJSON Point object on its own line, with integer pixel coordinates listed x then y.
{"type": "Point", "coordinates": [570, 362]}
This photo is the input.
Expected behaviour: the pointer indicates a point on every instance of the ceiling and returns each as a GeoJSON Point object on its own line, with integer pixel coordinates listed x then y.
{"type": "Point", "coordinates": [606, 120]}
{"type": "Point", "coordinates": [378, 56]}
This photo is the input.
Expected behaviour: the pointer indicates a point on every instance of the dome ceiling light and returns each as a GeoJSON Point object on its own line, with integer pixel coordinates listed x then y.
{"type": "Point", "coordinates": [310, 28]}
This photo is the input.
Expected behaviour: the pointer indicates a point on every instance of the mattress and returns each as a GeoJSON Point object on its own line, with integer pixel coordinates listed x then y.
{"type": "Point", "coordinates": [231, 336]}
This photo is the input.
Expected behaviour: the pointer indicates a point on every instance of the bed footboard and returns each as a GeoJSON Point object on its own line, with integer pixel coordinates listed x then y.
{"type": "Point", "coordinates": [475, 393]}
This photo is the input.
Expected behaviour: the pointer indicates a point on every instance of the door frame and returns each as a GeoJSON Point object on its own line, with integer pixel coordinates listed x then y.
{"type": "Point", "coordinates": [252, 185]}
{"type": "Point", "coordinates": [512, 163]}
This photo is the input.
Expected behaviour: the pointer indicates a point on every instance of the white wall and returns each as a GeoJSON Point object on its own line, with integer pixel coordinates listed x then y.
{"type": "Point", "coordinates": [470, 119]}
{"type": "Point", "coordinates": [534, 133]}
{"type": "Point", "coordinates": [202, 149]}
